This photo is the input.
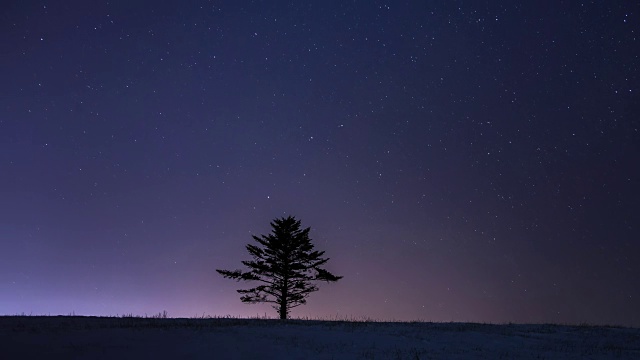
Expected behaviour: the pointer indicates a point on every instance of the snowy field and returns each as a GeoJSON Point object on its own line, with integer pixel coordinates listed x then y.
{"type": "Point", "coordinates": [75, 337]}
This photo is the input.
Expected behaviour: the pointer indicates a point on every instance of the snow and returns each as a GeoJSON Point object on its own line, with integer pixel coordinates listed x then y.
{"type": "Point", "coordinates": [76, 337]}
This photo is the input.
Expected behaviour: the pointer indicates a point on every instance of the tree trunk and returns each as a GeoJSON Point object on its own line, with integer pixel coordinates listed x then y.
{"type": "Point", "coordinates": [284, 301]}
{"type": "Point", "coordinates": [283, 310]}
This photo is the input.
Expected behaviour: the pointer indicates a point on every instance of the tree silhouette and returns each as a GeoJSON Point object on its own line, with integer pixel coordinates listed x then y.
{"type": "Point", "coordinates": [286, 264]}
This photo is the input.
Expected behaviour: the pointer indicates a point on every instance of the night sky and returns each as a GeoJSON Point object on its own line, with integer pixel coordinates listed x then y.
{"type": "Point", "coordinates": [457, 160]}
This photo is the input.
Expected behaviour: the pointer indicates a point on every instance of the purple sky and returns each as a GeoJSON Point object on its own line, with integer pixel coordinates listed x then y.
{"type": "Point", "coordinates": [458, 161]}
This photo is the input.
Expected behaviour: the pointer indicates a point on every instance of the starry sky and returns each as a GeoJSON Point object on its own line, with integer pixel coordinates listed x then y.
{"type": "Point", "coordinates": [457, 160]}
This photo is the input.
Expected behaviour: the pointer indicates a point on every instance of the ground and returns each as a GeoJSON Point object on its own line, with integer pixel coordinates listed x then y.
{"type": "Point", "coordinates": [77, 337]}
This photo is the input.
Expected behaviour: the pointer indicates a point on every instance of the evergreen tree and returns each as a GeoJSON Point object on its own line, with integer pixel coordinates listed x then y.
{"type": "Point", "coordinates": [286, 264]}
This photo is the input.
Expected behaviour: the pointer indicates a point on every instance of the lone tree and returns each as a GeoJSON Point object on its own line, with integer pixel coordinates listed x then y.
{"type": "Point", "coordinates": [286, 264]}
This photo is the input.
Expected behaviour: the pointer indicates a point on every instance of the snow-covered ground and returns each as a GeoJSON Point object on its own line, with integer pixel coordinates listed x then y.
{"type": "Point", "coordinates": [66, 337]}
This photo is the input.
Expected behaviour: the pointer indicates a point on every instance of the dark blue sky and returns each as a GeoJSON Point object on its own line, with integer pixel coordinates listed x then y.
{"type": "Point", "coordinates": [457, 160]}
